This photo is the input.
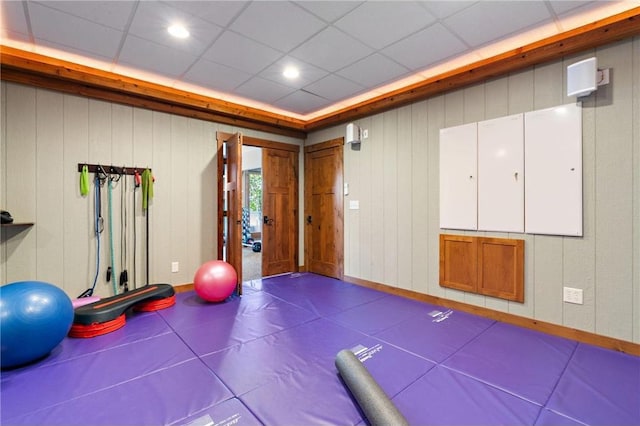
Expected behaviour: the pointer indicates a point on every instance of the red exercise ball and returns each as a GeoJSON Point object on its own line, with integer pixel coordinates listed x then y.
{"type": "Point", "coordinates": [215, 281]}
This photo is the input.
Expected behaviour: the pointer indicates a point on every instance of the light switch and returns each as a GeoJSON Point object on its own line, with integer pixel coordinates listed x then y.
{"type": "Point", "coordinates": [354, 204]}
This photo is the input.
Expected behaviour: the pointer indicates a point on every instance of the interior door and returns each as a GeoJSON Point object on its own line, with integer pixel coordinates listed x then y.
{"type": "Point", "coordinates": [233, 190]}
{"type": "Point", "coordinates": [324, 209]}
{"type": "Point", "coordinates": [280, 211]}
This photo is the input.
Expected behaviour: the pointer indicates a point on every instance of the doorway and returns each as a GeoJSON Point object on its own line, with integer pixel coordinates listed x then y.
{"type": "Point", "coordinates": [252, 212]}
{"type": "Point", "coordinates": [277, 215]}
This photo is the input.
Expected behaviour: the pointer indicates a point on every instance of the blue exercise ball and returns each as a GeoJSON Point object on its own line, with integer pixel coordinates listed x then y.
{"type": "Point", "coordinates": [34, 318]}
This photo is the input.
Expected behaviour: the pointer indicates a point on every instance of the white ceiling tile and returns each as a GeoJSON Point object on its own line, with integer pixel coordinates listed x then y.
{"type": "Point", "coordinates": [329, 10]}
{"type": "Point", "coordinates": [215, 76]}
{"type": "Point", "coordinates": [334, 88]}
{"type": "Point", "coordinates": [217, 12]}
{"type": "Point", "coordinates": [13, 18]}
{"type": "Point", "coordinates": [424, 48]}
{"type": "Point", "coordinates": [381, 23]}
{"type": "Point", "coordinates": [77, 33]}
{"type": "Point", "coordinates": [331, 50]}
{"type": "Point", "coordinates": [242, 53]}
{"type": "Point", "coordinates": [278, 24]}
{"type": "Point", "coordinates": [114, 14]}
{"type": "Point", "coordinates": [564, 6]}
{"type": "Point", "coordinates": [374, 70]}
{"type": "Point", "coordinates": [153, 18]}
{"type": "Point", "coordinates": [442, 9]}
{"type": "Point", "coordinates": [488, 21]}
{"type": "Point", "coordinates": [264, 90]}
{"type": "Point", "coordinates": [308, 72]}
{"type": "Point", "coordinates": [302, 102]}
{"type": "Point", "coordinates": [149, 56]}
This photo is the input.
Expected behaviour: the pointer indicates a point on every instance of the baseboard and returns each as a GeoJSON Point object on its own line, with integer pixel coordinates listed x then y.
{"type": "Point", "coordinates": [181, 288]}
{"type": "Point", "coordinates": [546, 327]}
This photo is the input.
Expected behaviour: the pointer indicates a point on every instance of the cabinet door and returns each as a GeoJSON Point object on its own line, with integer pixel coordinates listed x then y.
{"type": "Point", "coordinates": [458, 177]}
{"type": "Point", "coordinates": [553, 160]}
{"type": "Point", "coordinates": [501, 268]}
{"type": "Point", "coordinates": [459, 262]}
{"type": "Point", "coordinates": [501, 174]}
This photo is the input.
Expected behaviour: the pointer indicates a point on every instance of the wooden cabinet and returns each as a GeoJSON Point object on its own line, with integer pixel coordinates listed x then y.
{"type": "Point", "coordinates": [488, 266]}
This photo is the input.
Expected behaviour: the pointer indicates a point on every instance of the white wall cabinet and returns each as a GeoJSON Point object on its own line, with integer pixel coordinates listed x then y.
{"type": "Point", "coordinates": [501, 174]}
{"type": "Point", "coordinates": [458, 177]}
{"type": "Point", "coordinates": [553, 161]}
{"type": "Point", "coordinates": [521, 173]}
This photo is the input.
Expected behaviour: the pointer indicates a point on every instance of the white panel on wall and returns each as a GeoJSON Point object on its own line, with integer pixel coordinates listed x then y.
{"type": "Point", "coordinates": [553, 161]}
{"type": "Point", "coordinates": [501, 174]}
{"type": "Point", "coordinates": [458, 177]}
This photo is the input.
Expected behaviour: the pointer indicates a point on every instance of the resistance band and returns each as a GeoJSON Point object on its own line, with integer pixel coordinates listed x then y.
{"type": "Point", "coordinates": [98, 228]}
{"type": "Point", "coordinates": [111, 274]}
{"type": "Point", "coordinates": [124, 275]}
{"type": "Point", "coordinates": [147, 194]}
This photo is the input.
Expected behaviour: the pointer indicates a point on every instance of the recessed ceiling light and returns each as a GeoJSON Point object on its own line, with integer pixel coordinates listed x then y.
{"type": "Point", "coordinates": [291, 73]}
{"type": "Point", "coordinates": [178, 31]}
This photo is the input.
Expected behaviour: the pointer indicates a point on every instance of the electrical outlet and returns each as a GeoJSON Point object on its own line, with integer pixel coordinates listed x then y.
{"type": "Point", "coordinates": [572, 295]}
{"type": "Point", "coordinates": [175, 267]}
{"type": "Point", "coordinates": [365, 133]}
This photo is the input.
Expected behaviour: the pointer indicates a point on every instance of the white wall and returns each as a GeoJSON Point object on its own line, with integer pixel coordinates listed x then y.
{"type": "Point", "coordinates": [45, 135]}
{"type": "Point", "coordinates": [393, 237]}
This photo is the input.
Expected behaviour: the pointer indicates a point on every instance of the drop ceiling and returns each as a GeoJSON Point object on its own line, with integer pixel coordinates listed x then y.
{"type": "Point", "coordinates": [346, 51]}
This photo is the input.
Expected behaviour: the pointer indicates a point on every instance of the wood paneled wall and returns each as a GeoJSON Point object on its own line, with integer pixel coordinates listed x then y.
{"type": "Point", "coordinates": [393, 238]}
{"type": "Point", "coordinates": [45, 134]}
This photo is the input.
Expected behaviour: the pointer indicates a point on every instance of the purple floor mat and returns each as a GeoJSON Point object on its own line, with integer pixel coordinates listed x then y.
{"type": "Point", "coordinates": [436, 335]}
{"type": "Point", "coordinates": [271, 316]}
{"type": "Point", "coordinates": [393, 369]}
{"type": "Point", "coordinates": [227, 413]}
{"type": "Point", "coordinates": [260, 362]}
{"type": "Point", "coordinates": [524, 362]}
{"type": "Point", "coordinates": [593, 392]}
{"type": "Point", "coordinates": [444, 397]}
{"type": "Point", "coordinates": [301, 398]}
{"type": "Point", "coordinates": [163, 397]}
{"type": "Point", "coordinates": [190, 310]}
{"type": "Point", "coordinates": [549, 418]}
{"type": "Point", "coordinates": [321, 295]}
{"type": "Point", "coordinates": [139, 326]}
{"type": "Point", "coordinates": [381, 314]}
{"type": "Point", "coordinates": [64, 381]}
{"type": "Point", "coordinates": [270, 360]}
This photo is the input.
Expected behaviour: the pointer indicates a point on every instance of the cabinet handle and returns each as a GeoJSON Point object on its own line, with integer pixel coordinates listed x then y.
{"type": "Point", "coordinates": [515, 175]}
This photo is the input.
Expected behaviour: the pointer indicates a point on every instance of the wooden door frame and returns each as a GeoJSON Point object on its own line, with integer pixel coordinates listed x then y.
{"type": "Point", "coordinates": [221, 137]}
{"type": "Point", "coordinates": [307, 200]}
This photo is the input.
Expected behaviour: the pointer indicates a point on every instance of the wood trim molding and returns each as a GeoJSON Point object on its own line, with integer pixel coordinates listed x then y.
{"type": "Point", "coordinates": [42, 71]}
{"type": "Point", "coordinates": [324, 145]}
{"type": "Point", "coordinates": [530, 323]}
{"type": "Point", "coordinates": [264, 143]}
{"type": "Point", "coordinates": [598, 33]}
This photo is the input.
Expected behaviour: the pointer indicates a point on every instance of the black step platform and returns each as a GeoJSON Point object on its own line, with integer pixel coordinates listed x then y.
{"type": "Point", "coordinates": [107, 315]}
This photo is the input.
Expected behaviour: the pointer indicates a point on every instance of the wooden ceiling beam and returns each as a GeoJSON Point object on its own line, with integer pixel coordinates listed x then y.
{"type": "Point", "coordinates": [30, 68]}
{"type": "Point", "coordinates": [64, 73]}
{"type": "Point", "coordinates": [604, 31]}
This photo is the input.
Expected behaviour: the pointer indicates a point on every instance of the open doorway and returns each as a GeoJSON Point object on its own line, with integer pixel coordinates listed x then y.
{"type": "Point", "coordinates": [252, 212]}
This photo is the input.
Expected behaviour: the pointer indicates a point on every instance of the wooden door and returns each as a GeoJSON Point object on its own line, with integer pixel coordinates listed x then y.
{"type": "Point", "coordinates": [324, 208]}
{"type": "Point", "coordinates": [280, 211]}
{"type": "Point", "coordinates": [233, 190]}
